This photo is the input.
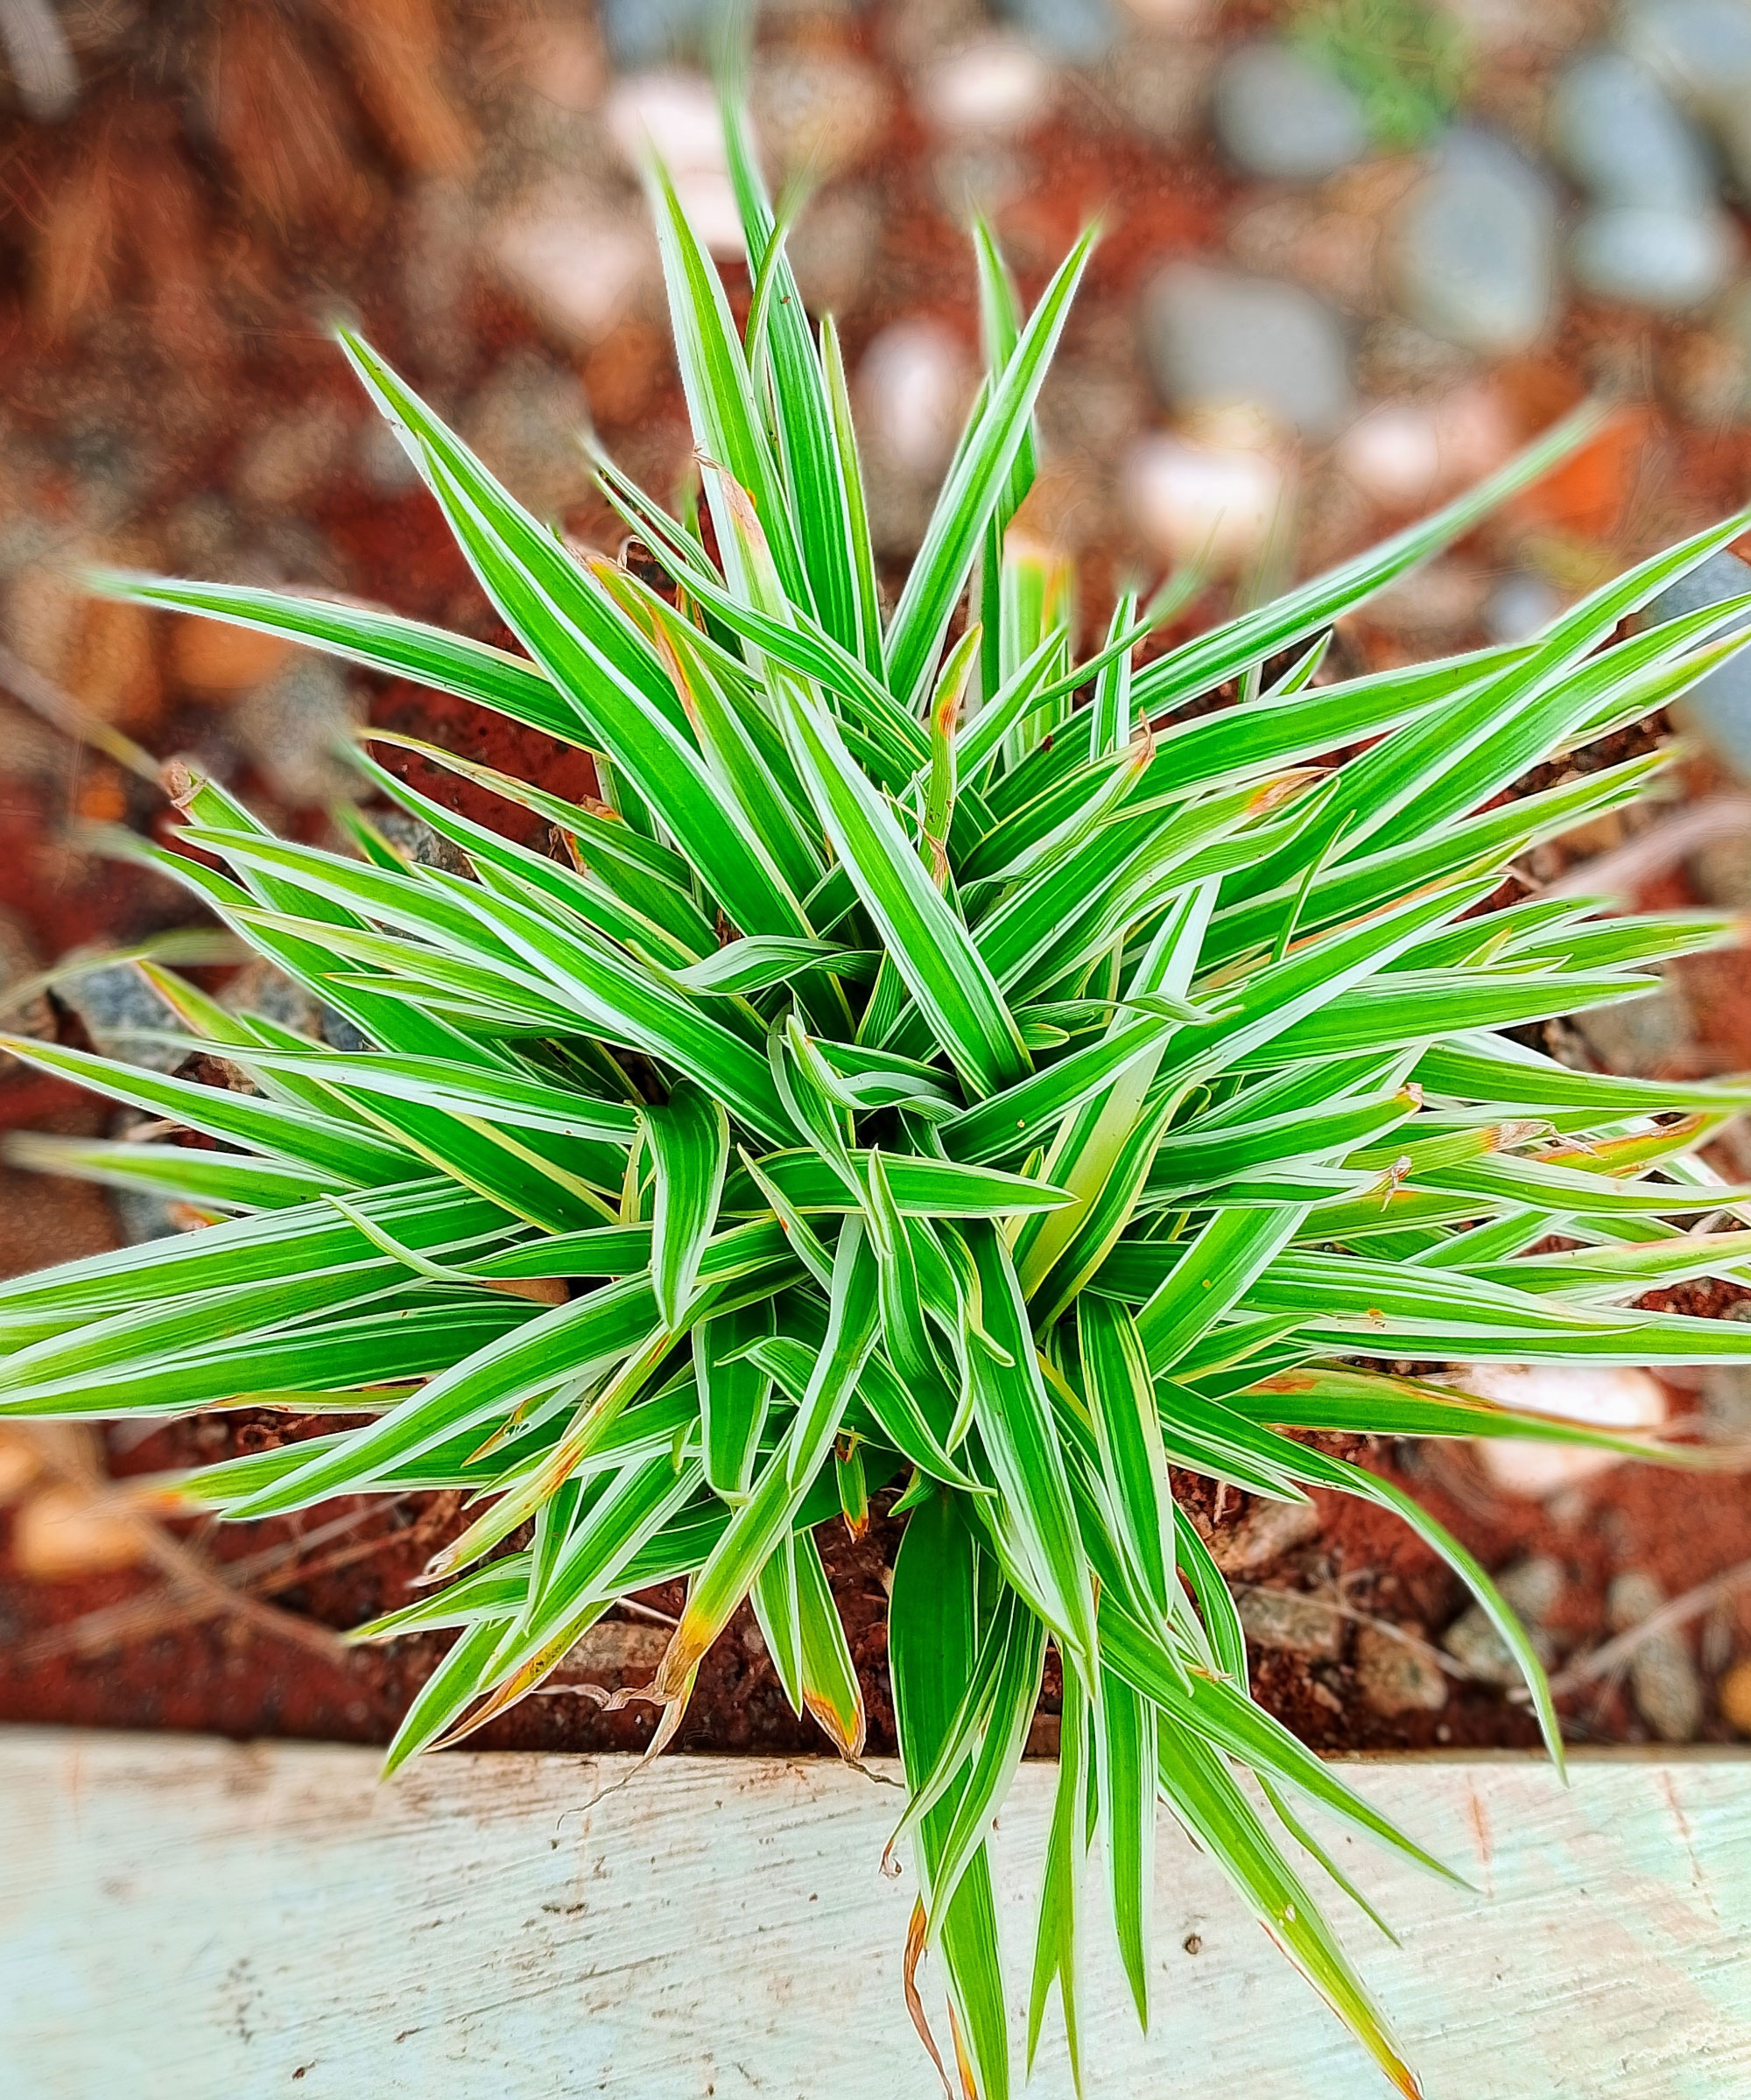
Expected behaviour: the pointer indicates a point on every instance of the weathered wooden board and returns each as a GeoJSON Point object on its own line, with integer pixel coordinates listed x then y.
{"type": "Point", "coordinates": [193, 1920]}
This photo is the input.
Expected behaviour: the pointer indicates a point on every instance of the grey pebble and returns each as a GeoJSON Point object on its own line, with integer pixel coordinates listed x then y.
{"type": "Point", "coordinates": [1654, 255]}
{"type": "Point", "coordinates": [113, 999]}
{"type": "Point", "coordinates": [1397, 1677]}
{"type": "Point", "coordinates": [1286, 1619]}
{"type": "Point", "coordinates": [1472, 250]}
{"type": "Point", "coordinates": [1078, 31]}
{"type": "Point", "coordinates": [1664, 1682]}
{"type": "Point", "coordinates": [1279, 116]}
{"type": "Point", "coordinates": [1214, 339]}
{"type": "Point", "coordinates": [1531, 1589]}
{"type": "Point", "coordinates": [1719, 707]}
{"type": "Point", "coordinates": [1616, 132]}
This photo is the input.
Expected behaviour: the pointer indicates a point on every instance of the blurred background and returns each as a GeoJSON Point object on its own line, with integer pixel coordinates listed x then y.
{"type": "Point", "coordinates": [1355, 253]}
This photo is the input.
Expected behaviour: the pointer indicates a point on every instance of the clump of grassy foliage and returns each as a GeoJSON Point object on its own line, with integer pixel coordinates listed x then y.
{"type": "Point", "coordinates": [1406, 61]}
{"type": "Point", "coordinates": [939, 1060]}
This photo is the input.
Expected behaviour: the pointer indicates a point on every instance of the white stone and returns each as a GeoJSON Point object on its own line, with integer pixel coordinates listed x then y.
{"type": "Point", "coordinates": [1172, 14]}
{"type": "Point", "coordinates": [998, 86]}
{"type": "Point", "coordinates": [578, 266]}
{"type": "Point", "coordinates": [1393, 453]}
{"type": "Point", "coordinates": [675, 115]}
{"type": "Point", "coordinates": [1189, 499]}
{"type": "Point", "coordinates": [65, 1531]}
{"type": "Point", "coordinates": [1403, 453]}
{"type": "Point", "coordinates": [1604, 1396]}
{"type": "Point", "coordinates": [914, 386]}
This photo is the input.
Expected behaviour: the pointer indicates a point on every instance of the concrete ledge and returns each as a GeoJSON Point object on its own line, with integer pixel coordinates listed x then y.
{"type": "Point", "coordinates": [189, 1919]}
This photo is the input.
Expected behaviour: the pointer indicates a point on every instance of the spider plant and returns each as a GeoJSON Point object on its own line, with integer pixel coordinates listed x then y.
{"type": "Point", "coordinates": [939, 1061]}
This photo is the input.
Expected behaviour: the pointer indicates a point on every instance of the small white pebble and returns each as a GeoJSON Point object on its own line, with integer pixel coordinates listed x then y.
{"type": "Point", "coordinates": [914, 385]}
{"type": "Point", "coordinates": [1605, 1396]}
{"type": "Point", "coordinates": [1189, 499]}
{"type": "Point", "coordinates": [997, 86]}
{"type": "Point", "coordinates": [675, 116]}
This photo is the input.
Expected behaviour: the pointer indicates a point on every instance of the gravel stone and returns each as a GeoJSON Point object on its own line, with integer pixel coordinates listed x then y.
{"type": "Point", "coordinates": [1641, 1037]}
{"type": "Point", "coordinates": [1719, 707]}
{"type": "Point", "coordinates": [1701, 49]}
{"type": "Point", "coordinates": [1472, 256]}
{"type": "Point", "coordinates": [1616, 132]}
{"type": "Point", "coordinates": [1732, 130]}
{"type": "Point", "coordinates": [1519, 606]}
{"type": "Point", "coordinates": [1396, 1678]}
{"type": "Point", "coordinates": [833, 247]}
{"type": "Point", "coordinates": [1214, 340]}
{"type": "Point", "coordinates": [1191, 500]}
{"type": "Point", "coordinates": [1720, 871]}
{"type": "Point", "coordinates": [644, 32]}
{"type": "Point", "coordinates": [1264, 1533]}
{"type": "Point", "coordinates": [291, 725]}
{"type": "Point", "coordinates": [615, 1646]}
{"type": "Point", "coordinates": [526, 422]}
{"type": "Point", "coordinates": [1284, 1618]}
{"type": "Point", "coordinates": [425, 847]}
{"type": "Point", "coordinates": [1726, 1396]}
{"type": "Point", "coordinates": [340, 1033]}
{"type": "Point", "coordinates": [19, 960]}
{"type": "Point", "coordinates": [260, 989]}
{"type": "Point", "coordinates": [1531, 1587]}
{"type": "Point", "coordinates": [817, 110]}
{"type": "Point", "coordinates": [1159, 87]}
{"type": "Point", "coordinates": [383, 458]}
{"type": "Point", "coordinates": [144, 1217]}
{"type": "Point", "coordinates": [1652, 256]}
{"type": "Point", "coordinates": [1280, 116]}
{"type": "Point", "coordinates": [118, 997]}
{"type": "Point", "coordinates": [1441, 600]}
{"type": "Point", "coordinates": [1078, 31]}
{"type": "Point", "coordinates": [1664, 1679]}
{"type": "Point", "coordinates": [293, 457]}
